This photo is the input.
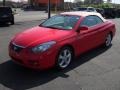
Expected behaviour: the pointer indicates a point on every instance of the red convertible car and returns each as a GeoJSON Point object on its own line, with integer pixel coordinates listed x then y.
{"type": "Point", "coordinates": [56, 41]}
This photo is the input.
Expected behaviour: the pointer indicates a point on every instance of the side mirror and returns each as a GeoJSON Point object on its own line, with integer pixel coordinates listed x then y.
{"type": "Point", "coordinates": [82, 28]}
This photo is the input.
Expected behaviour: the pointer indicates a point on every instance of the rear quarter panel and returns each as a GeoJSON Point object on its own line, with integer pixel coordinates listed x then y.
{"type": "Point", "coordinates": [110, 28]}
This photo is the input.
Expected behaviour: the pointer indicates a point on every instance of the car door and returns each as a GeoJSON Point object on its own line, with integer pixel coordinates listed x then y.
{"type": "Point", "coordinates": [100, 31]}
{"type": "Point", "coordinates": [90, 38]}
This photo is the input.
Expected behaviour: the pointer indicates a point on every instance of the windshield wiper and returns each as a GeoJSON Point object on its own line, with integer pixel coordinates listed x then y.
{"type": "Point", "coordinates": [48, 26]}
{"type": "Point", "coordinates": [52, 27]}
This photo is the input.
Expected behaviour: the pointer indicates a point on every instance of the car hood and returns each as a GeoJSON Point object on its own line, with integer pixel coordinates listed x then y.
{"type": "Point", "coordinates": [38, 35]}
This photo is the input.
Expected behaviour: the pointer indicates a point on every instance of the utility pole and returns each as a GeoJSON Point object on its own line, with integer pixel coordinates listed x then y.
{"type": "Point", "coordinates": [49, 11]}
{"type": "Point", "coordinates": [56, 6]}
{"type": "Point", "coordinates": [4, 2]}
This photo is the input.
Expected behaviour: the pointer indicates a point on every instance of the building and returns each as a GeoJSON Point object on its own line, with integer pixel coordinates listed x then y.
{"type": "Point", "coordinates": [46, 1]}
{"type": "Point", "coordinates": [43, 3]}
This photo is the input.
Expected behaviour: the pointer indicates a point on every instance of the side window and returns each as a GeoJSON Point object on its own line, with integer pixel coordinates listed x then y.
{"type": "Point", "coordinates": [91, 21]}
{"type": "Point", "coordinates": [99, 20]}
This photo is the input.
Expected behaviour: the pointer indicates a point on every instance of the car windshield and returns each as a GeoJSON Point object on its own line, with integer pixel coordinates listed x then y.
{"type": "Point", "coordinates": [5, 10]}
{"type": "Point", "coordinates": [82, 9]}
{"type": "Point", "coordinates": [91, 9]}
{"type": "Point", "coordinates": [61, 22]}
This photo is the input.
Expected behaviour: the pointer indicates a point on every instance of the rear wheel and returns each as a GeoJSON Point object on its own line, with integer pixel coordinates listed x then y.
{"type": "Point", "coordinates": [108, 40]}
{"type": "Point", "coordinates": [64, 58]}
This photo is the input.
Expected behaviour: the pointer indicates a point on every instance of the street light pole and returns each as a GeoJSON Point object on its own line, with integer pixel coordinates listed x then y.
{"type": "Point", "coordinates": [4, 2]}
{"type": "Point", "coordinates": [49, 12]}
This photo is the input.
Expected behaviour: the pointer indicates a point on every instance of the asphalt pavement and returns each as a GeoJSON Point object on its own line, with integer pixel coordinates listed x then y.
{"type": "Point", "coordinates": [98, 69]}
{"type": "Point", "coordinates": [22, 16]}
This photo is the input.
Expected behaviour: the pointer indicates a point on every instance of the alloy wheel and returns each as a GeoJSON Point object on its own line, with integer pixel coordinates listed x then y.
{"type": "Point", "coordinates": [108, 40]}
{"type": "Point", "coordinates": [64, 58]}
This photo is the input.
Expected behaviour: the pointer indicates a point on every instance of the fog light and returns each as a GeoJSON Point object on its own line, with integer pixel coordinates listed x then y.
{"type": "Point", "coordinates": [33, 63]}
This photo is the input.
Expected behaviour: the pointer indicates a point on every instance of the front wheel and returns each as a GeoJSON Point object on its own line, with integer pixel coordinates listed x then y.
{"type": "Point", "coordinates": [64, 58]}
{"type": "Point", "coordinates": [12, 22]}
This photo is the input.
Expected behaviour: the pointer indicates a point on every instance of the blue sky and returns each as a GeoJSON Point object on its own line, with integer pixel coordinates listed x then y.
{"type": "Point", "coordinates": [116, 1]}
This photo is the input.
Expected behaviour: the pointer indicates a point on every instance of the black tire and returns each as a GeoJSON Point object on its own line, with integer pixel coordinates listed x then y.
{"type": "Point", "coordinates": [67, 60]}
{"type": "Point", "coordinates": [12, 22]}
{"type": "Point", "coordinates": [108, 40]}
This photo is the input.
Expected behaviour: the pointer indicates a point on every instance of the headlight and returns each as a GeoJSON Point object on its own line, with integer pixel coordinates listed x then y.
{"type": "Point", "coordinates": [43, 47]}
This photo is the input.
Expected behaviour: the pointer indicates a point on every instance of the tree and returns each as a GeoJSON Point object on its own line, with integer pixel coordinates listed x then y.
{"type": "Point", "coordinates": [93, 1]}
{"type": "Point", "coordinates": [30, 2]}
{"type": "Point", "coordinates": [78, 0]}
{"type": "Point", "coordinates": [4, 2]}
{"type": "Point", "coordinates": [108, 1]}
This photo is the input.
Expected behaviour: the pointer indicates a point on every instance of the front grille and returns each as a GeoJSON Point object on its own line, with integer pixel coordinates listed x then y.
{"type": "Point", "coordinates": [16, 48]}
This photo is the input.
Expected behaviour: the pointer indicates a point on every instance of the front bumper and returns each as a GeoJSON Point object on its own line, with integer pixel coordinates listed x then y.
{"type": "Point", "coordinates": [34, 61]}
{"type": "Point", "coordinates": [6, 19]}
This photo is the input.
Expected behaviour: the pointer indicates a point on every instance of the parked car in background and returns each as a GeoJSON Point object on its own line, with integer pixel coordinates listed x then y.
{"type": "Point", "coordinates": [117, 10]}
{"type": "Point", "coordinates": [56, 41]}
{"type": "Point", "coordinates": [88, 9]}
{"type": "Point", "coordinates": [101, 11]}
{"type": "Point", "coordinates": [6, 15]}
{"type": "Point", "coordinates": [27, 7]}
{"type": "Point", "coordinates": [110, 12]}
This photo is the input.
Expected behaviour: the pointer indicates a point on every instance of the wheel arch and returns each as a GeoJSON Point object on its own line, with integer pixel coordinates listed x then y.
{"type": "Point", "coordinates": [111, 33]}
{"type": "Point", "coordinates": [70, 46]}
